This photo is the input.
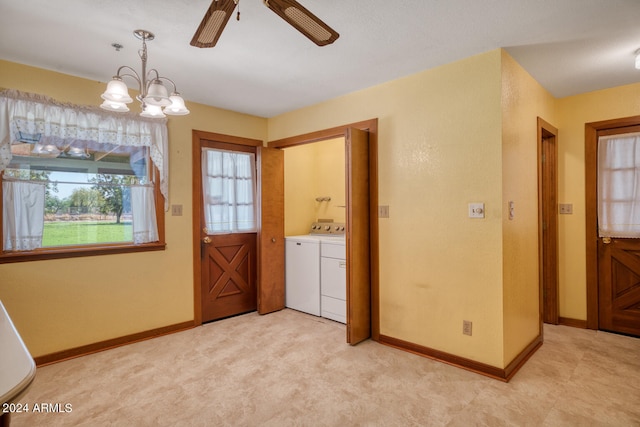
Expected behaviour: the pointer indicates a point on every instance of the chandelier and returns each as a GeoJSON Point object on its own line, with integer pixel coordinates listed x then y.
{"type": "Point", "coordinates": [153, 95]}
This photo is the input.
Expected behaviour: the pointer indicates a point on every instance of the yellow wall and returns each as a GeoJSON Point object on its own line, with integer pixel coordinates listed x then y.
{"type": "Point", "coordinates": [311, 171]}
{"type": "Point", "coordinates": [61, 304]}
{"type": "Point", "coordinates": [573, 113]}
{"type": "Point", "coordinates": [523, 100]}
{"type": "Point", "coordinates": [440, 147]}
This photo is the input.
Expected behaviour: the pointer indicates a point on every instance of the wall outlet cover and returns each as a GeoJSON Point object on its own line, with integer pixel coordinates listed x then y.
{"type": "Point", "coordinates": [467, 327]}
{"type": "Point", "coordinates": [566, 208]}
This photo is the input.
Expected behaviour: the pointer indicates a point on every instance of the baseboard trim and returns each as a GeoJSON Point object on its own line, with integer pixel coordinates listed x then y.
{"type": "Point", "coordinates": [470, 365]}
{"type": "Point", "coordinates": [84, 350]}
{"type": "Point", "coordinates": [576, 323]}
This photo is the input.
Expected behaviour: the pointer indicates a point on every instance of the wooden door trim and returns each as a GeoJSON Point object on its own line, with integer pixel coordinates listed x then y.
{"type": "Point", "coordinates": [591, 205]}
{"type": "Point", "coordinates": [196, 137]}
{"type": "Point", "coordinates": [370, 126]}
{"type": "Point", "coordinates": [548, 214]}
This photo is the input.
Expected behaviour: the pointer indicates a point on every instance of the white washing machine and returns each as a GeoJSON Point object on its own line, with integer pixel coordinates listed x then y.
{"type": "Point", "coordinates": [303, 269]}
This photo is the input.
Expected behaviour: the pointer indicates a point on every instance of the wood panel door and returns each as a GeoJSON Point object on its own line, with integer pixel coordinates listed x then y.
{"type": "Point", "coordinates": [619, 258]}
{"type": "Point", "coordinates": [225, 265]}
{"type": "Point", "coordinates": [548, 214]}
{"type": "Point", "coordinates": [358, 237]}
{"type": "Point", "coordinates": [228, 275]}
{"type": "Point", "coordinates": [619, 283]}
{"type": "Point", "coordinates": [271, 291]}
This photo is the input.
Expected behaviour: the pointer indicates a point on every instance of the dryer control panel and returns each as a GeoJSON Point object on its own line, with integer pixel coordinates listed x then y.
{"type": "Point", "coordinates": [328, 228]}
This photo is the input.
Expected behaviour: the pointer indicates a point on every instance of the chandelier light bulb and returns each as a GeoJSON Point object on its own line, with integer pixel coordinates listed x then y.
{"type": "Point", "coordinates": [157, 94]}
{"type": "Point", "coordinates": [118, 107]}
{"type": "Point", "coordinates": [117, 91]}
{"type": "Point", "coordinates": [152, 111]}
{"type": "Point", "coordinates": [177, 107]}
{"type": "Point", "coordinates": [638, 61]}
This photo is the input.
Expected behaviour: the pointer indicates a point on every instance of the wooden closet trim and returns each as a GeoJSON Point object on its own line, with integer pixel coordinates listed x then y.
{"type": "Point", "coordinates": [370, 126]}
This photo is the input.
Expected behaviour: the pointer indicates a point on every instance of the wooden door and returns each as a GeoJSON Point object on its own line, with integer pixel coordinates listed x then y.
{"type": "Point", "coordinates": [271, 290]}
{"type": "Point", "coordinates": [228, 275]}
{"type": "Point", "coordinates": [548, 213]}
{"type": "Point", "coordinates": [619, 286]}
{"type": "Point", "coordinates": [226, 265]}
{"type": "Point", "coordinates": [358, 239]}
{"type": "Point", "coordinates": [619, 271]}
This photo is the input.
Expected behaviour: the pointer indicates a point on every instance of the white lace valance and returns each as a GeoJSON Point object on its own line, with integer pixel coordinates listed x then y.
{"type": "Point", "coordinates": [26, 116]}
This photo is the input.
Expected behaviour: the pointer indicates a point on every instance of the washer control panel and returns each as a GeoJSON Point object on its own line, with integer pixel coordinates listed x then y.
{"type": "Point", "coordinates": [328, 228]}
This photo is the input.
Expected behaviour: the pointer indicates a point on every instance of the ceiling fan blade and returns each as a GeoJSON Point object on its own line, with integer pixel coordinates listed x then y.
{"type": "Point", "coordinates": [213, 23]}
{"type": "Point", "coordinates": [304, 21]}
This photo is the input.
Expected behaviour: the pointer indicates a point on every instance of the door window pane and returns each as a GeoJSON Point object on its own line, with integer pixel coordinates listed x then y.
{"type": "Point", "coordinates": [619, 186]}
{"type": "Point", "coordinates": [229, 191]}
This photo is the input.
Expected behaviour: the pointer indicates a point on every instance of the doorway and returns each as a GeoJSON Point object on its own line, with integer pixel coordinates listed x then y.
{"type": "Point", "coordinates": [613, 263]}
{"type": "Point", "coordinates": [548, 222]}
{"type": "Point", "coordinates": [361, 219]}
{"type": "Point", "coordinates": [251, 268]}
{"type": "Point", "coordinates": [225, 188]}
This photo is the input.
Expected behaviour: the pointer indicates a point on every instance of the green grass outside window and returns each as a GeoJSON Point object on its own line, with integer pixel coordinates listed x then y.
{"type": "Point", "coordinates": [85, 233]}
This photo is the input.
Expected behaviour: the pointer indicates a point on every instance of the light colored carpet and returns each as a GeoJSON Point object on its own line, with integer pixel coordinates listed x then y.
{"type": "Point", "coordinates": [293, 369]}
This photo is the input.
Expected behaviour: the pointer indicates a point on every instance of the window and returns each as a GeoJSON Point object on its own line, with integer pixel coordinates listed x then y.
{"type": "Point", "coordinates": [78, 181]}
{"type": "Point", "coordinates": [229, 191]}
{"type": "Point", "coordinates": [619, 186]}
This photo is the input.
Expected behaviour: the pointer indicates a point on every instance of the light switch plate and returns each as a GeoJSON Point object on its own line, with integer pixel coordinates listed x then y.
{"type": "Point", "coordinates": [176, 210]}
{"type": "Point", "coordinates": [476, 210]}
{"type": "Point", "coordinates": [383, 211]}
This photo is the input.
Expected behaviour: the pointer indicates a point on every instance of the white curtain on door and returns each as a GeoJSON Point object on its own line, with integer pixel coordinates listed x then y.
{"type": "Point", "coordinates": [23, 215]}
{"type": "Point", "coordinates": [619, 186]}
{"type": "Point", "coordinates": [143, 212]}
{"type": "Point", "coordinates": [229, 191]}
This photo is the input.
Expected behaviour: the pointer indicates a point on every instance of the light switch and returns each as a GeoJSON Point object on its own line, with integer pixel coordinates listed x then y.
{"type": "Point", "coordinates": [383, 211]}
{"type": "Point", "coordinates": [476, 210]}
{"type": "Point", "coordinates": [176, 210]}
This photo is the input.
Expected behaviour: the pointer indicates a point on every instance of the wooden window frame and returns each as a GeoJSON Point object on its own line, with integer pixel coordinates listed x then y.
{"type": "Point", "coordinates": [61, 252]}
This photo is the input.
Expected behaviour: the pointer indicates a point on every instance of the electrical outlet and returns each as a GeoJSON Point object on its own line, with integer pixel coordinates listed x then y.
{"type": "Point", "coordinates": [467, 327]}
{"type": "Point", "coordinates": [566, 208]}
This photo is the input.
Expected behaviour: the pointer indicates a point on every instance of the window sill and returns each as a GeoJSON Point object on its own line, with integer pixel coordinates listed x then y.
{"type": "Point", "coordinates": [78, 251]}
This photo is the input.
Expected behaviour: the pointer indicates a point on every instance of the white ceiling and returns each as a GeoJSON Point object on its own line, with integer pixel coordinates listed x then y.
{"type": "Point", "coordinates": [264, 67]}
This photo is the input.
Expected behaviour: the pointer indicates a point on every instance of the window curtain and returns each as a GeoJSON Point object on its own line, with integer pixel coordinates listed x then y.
{"type": "Point", "coordinates": [145, 227]}
{"type": "Point", "coordinates": [229, 191]}
{"type": "Point", "coordinates": [619, 186]}
{"type": "Point", "coordinates": [35, 118]}
{"type": "Point", "coordinates": [23, 215]}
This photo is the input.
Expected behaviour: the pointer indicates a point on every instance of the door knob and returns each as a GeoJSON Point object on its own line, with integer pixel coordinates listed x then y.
{"type": "Point", "coordinates": [273, 240]}
{"type": "Point", "coordinates": [606, 240]}
{"type": "Point", "coordinates": [206, 239]}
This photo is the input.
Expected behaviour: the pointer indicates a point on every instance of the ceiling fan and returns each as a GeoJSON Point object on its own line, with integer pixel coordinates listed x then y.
{"type": "Point", "coordinates": [294, 13]}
